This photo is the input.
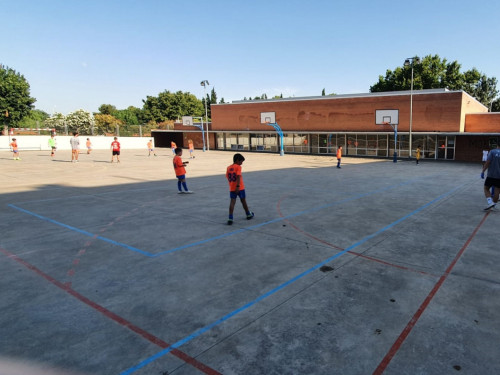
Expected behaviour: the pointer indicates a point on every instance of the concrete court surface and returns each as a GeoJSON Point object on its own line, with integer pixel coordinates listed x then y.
{"type": "Point", "coordinates": [378, 267]}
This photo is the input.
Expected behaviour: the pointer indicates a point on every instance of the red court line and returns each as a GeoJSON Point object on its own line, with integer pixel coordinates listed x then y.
{"type": "Point", "coordinates": [413, 321]}
{"type": "Point", "coordinates": [111, 315]}
{"type": "Point", "coordinates": [350, 252]}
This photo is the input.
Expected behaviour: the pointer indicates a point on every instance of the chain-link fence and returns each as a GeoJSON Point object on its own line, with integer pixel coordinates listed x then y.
{"type": "Point", "coordinates": [122, 130]}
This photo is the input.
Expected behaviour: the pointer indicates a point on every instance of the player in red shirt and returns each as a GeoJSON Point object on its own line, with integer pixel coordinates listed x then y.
{"type": "Point", "coordinates": [180, 171]}
{"type": "Point", "coordinates": [115, 147]}
{"type": "Point", "coordinates": [237, 187]}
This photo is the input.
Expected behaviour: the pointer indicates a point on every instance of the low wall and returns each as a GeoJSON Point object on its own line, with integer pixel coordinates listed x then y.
{"type": "Point", "coordinates": [41, 142]}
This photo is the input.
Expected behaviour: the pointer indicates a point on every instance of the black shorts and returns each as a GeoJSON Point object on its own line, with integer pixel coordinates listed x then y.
{"type": "Point", "coordinates": [490, 181]}
{"type": "Point", "coordinates": [116, 153]}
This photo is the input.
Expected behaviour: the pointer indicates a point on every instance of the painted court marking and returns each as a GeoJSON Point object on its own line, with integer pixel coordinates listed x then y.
{"type": "Point", "coordinates": [201, 242]}
{"type": "Point", "coordinates": [208, 327]}
{"type": "Point", "coordinates": [111, 315]}
{"type": "Point", "coordinates": [413, 321]}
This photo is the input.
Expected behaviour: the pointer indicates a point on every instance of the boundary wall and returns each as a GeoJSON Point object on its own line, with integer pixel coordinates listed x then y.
{"type": "Point", "coordinates": [41, 142]}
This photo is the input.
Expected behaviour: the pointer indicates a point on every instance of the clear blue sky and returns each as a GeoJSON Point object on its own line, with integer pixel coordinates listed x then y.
{"type": "Point", "coordinates": [84, 53]}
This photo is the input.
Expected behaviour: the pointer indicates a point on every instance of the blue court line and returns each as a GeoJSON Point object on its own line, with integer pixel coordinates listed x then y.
{"type": "Point", "coordinates": [252, 227]}
{"type": "Point", "coordinates": [208, 327]}
{"type": "Point", "coordinates": [304, 212]}
{"type": "Point", "coordinates": [81, 231]}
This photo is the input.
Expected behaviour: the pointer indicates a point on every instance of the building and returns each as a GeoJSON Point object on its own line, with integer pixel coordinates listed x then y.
{"type": "Point", "coordinates": [445, 124]}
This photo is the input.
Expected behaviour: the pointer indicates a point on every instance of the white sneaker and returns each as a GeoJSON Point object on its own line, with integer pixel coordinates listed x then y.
{"type": "Point", "coordinates": [490, 207]}
{"type": "Point", "coordinates": [180, 192]}
{"type": "Point", "coordinates": [189, 192]}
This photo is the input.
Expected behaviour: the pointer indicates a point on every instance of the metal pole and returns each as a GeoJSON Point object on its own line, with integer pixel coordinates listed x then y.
{"type": "Point", "coordinates": [411, 109]}
{"type": "Point", "coordinates": [206, 115]}
{"type": "Point", "coordinates": [202, 134]}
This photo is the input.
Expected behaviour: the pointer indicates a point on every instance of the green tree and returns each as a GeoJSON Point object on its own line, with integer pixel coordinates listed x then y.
{"type": "Point", "coordinates": [434, 72]}
{"type": "Point", "coordinates": [130, 116]}
{"type": "Point", "coordinates": [15, 99]}
{"type": "Point", "coordinates": [35, 118]}
{"type": "Point", "coordinates": [170, 106]}
{"type": "Point", "coordinates": [323, 92]}
{"type": "Point", "coordinates": [107, 109]}
{"type": "Point", "coordinates": [495, 106]}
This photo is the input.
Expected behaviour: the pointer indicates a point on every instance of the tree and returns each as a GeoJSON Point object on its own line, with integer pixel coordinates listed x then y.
{"type": "Point", "coordinates": [36, 117]}
{"type": "Point", "coordinates": [105, 124]}
{"type": "Point", "coordinates": [130, 116]}
{"type": "Point", "coordinates": [495, 106]}
{"type": "Point", "coordinates": [107, 109]}
{"type": "Point", "coordinates": [80, 121]}
{"type": "Point", "coordinates": [15, 99]}
{"type": "Point", "coordinates": [323, 92]}
{"type": "Point", "coordinates": [434, 72]}
{"type": "Point", "coordinates": [170, 106]}
{"type": "Point", "coordinates": [57, 121]}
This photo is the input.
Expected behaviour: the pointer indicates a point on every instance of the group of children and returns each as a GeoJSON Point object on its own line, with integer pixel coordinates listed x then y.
{"type": "Point", "coordinates": [233, 176]}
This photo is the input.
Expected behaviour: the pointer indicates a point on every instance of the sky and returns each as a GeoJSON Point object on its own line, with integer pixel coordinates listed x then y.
{"type": "Point", "coordinates": [80, 54]}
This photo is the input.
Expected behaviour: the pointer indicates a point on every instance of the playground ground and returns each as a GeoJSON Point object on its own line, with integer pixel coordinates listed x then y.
{"type": "Point", "coordinates": [374, 268]}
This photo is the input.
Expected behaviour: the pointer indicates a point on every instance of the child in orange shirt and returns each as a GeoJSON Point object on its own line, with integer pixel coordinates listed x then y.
{"type": "Point", "coordinates": [151, 148]}
{"type": "Point", "coordinates": [180, 171]}
{"type": "Point", "coordinates": [89, 146]}
{"type": "Point", "coordinates": [237, 187]}
{"type": "Point", "coordinates": [191, 149]}
{"type": "Point", "coordinates": [15, 151]}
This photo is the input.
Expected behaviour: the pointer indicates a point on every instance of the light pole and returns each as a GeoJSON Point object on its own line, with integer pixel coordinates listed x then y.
{"type": "Point", "coordinates": [205, 84]}
{"type": "Point", "coordinates": [411, 61]}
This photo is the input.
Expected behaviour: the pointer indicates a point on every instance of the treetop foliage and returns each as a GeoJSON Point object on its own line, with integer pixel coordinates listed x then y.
{"type": "Point", "coordinates": [434, 72]}
{"type": "Point", "coordinates": [15, 99]}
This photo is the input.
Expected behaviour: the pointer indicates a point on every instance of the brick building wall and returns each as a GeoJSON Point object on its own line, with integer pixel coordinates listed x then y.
{"type": "Point", "coordinates": [442, 111]}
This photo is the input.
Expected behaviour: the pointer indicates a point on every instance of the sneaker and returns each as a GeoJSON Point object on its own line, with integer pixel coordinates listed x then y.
{"type": "Point", "coordinates": [189, 192]}
{"type": "Point", "coordinates": [180, 192]}
{"type": "Point", "coordinates": [229, 221]}
{"type": "Point", "coordinates": [250, 216]}
{"type": "Point", "coordinates": [490, 207]}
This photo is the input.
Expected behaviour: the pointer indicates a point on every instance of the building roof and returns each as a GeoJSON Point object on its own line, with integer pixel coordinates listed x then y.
{"type": "Point", "coordinates": [347, 96]}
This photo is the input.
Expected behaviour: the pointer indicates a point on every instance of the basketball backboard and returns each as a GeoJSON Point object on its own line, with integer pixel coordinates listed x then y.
{"type": "Point", "coordinates": [387, 116]}
{"type": "Point", "coordinates": [187, 120]}
{"type": "Point", "coordinates": [268, 117]}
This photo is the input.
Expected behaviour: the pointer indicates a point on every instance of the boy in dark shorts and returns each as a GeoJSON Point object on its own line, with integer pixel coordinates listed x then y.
{"type": "Point", "coordinates": [180, 172]}
{"type": "Point", "coordinates": [493, 179]}
{"type": "Point", "coordinates": [237, 187]}
{"type": "Point", "coordinates": [115, 150]}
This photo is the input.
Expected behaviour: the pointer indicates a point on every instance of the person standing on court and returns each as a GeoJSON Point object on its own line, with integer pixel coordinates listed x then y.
{"type": "Point", "coordinates": [15, 150]}
{"type": "Point", "coordinates": [52, 144]}
{"type": "Point", "coordinates": [115, 150]}
{"type": "Point", "coordinates": [180, 171]}
{"type": "Point", "coordinates": [485, 156]}
{"type": "Point", "coordinates": [237, 187]}
{"type": "Point", "coordinates": [173, 146]}
{"type": "Point", "coordinates": [151, 148]}
{"type": "Point", "coordinates": [89, 146]}
{"type": "Point", "coordinates": [75, 147]}
{"type": "Point", "coordinates": [191, 148]}
{"type": "Point", "coordinates": [418, 153]}
{"type": "Point", "coordinates": [339, 156]}
{"type": "Point", "coordinates": [493, 178]}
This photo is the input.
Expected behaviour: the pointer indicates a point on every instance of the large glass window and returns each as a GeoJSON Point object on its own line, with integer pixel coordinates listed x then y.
{"type": "Point", "coordinates": [220, 141]}
{"type": "Point", "coordinates": [301, 143]}
{"type": "Point", "coordinates": [271, 142]}
{"type": "Point", "coordinates": [382, 145]}
{"type": "Point", "coordinates": [371, 145]}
